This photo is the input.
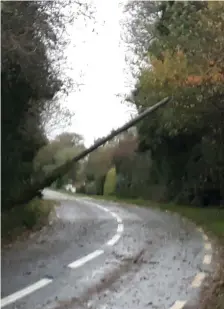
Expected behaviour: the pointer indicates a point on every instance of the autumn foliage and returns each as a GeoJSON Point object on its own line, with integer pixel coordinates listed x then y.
{"type": "Point", "coordinates": [182, 49]}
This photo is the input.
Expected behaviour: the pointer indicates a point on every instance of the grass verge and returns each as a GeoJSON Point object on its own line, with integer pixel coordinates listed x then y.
{"type": "Point", "coordinates": [25, 219]}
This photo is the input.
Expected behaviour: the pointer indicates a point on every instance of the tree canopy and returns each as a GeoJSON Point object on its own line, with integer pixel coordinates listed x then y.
{"type": "Point", "coordinates": [31, 78]}
{"type": "Point", "coordinates": [182, 48]}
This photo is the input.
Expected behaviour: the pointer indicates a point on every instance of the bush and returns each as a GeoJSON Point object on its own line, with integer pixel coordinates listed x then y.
{"type": "Point", "coordinates": [100, 185]}
{"type": "Point", "coordinates": [29, 217]}
{"type": "Point", "coordinates": [110, 182]}
{"type": "Point", "coordinates": [81, 189]}
{"type": "Point", "coordinates": [91, 188]}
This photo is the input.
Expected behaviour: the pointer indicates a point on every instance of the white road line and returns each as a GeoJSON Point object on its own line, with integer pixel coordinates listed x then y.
{"type": "Point", "coordinates": [94, 204]}
{"type": "Point", "coordinates": [119, 220]}
{"type": "Point", "coordinates": [208, 246]}
{"type": "Point", "coordinates": [114, 215]}
{"type": "Point", "coordinates": [101, 207]}
{"type": "Point", "coordinates": [207, 259]}
{"type": "Point", "coordinates": [178, 304]}
{"type": "Point", "coordinates": [85, 259]}
{"type": "Point", "coordinates": [198, 280]}
{"type": "Point", "coordinates": [120, 228]}
{"type": "Point", "coordinates": [43, 282]}
{"type": "Point", "coordinates": [105, 209]}
{"type": "Point", "coordinates": [24, 292]}
{"type": "Point", "coordinates": [113, 240]}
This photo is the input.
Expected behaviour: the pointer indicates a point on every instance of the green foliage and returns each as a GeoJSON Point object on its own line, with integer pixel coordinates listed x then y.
{"type": "Point", "coordinates": [62, 149]}
{"type": "Point", "coordinates": [81, 189]}
{"type": "Point", "coordinates": [95, 169]}
{"type": "Point", "coordinates": [31, 216]}
{"type": "Point", "coordinates": [185, 140]}
{"type": "Point", "coordinates": [90, 188]}
{"type": "Point", "coordinates": [133, 176]}
{"type": "Point", "coordinates": [29, 82]}
{"type": "Point", "coordinates": [110, 182]}
{"type": "Point", "coordinates": [59, 183]}
{"type": "Point", "coordinates": [99, 162]}
{"type": "Point", "coordinates": [31, 54]}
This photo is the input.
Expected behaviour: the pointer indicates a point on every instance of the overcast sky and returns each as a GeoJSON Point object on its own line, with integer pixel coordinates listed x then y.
{"type": "Point", "coordinates": [99, 56]}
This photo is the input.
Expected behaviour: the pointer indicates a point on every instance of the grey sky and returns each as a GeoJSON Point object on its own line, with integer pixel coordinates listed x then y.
{"type": "Point", "coordinates": [99, 57]}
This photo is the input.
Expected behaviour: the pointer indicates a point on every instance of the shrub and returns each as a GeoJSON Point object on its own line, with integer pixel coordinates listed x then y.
{"type": "Point", "coordinates": [110, 182]}
{"type": "Point", "coordinates": [91, 188]}
{"type": "Point", "coordinates": [31, 216]}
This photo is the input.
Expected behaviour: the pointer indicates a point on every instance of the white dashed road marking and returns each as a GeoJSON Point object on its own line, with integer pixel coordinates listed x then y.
{"type": "Point", "coordinates": [101, 207]}
{"type": "Point", "coordinates": [198, 280]}
{"type": "Point", "coordinates": [24, 292]}
{"type": "Point", "coordinates": [179, 304]}
{"type": "Point", "coordinates": [120, 228]}
{"type": "Point", "coordinates": [207, 259]}
{"type": "Point", "coordinates": [78, 263]}
{"type": "Point", "coordinates": [113, 240]}
{"type": "Point", "coordinates": [85, 259]}
{"type": "Point", "coordinates": [114, 215]}
{"type": "Point", "coordinates": [119, 220]}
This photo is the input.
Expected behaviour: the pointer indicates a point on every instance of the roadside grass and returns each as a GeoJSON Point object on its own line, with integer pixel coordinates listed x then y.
{"type": "Point", "coordinates": [21, 220]}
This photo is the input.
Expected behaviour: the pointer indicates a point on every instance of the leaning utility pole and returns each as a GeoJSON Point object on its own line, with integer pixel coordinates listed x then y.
{"type": "Point", "coordinates": [40, 184]}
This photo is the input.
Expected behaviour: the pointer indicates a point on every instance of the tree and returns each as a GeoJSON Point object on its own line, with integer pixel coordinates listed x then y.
{"type": "Point", "coordinates": [68, 139]}
{"type": "Point", "coordinates": [30, 70]}
{"type": "Point", "coordinates": [97, 166]}
{"type": "Point", "coordinates": [110, 182]}
{"type": "Point", "coordinates": [62, 149]}
{"type": "Point", "coordinates": [125, 148]}
{"type": "Point", "coordinates": [55, 117]}
{"type": "Point", "coordinates": [132, 168]}
{"type": "Point", "coordinates": [183, 60]}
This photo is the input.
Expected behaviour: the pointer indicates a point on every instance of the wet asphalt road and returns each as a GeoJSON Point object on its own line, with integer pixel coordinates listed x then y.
{"type": "Point", "coordinates": [151, 266]}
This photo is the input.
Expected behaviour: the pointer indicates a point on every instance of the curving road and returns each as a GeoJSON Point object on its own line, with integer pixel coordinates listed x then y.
{"type": "Point", "coordinates": [102, 255]}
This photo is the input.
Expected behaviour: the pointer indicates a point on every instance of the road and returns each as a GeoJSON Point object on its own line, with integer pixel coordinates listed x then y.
{"type": "Point", "coordinates": [102, 255]}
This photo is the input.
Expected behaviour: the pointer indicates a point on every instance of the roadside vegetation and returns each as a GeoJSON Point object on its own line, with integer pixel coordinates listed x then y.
{"type": "Point", "coordinates": [19, 222]}
{"type": "Point", "coordinates": [177, 155]}
{"type": "Point", "coordinates": [33, 84]}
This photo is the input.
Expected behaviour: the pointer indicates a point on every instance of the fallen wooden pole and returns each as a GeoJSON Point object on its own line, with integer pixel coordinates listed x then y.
{"type": "Point", "coordinates": [40, 184]}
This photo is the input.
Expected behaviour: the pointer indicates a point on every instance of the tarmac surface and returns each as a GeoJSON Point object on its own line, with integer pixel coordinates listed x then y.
{"type": "Point", "coordinates": [102, 255]}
